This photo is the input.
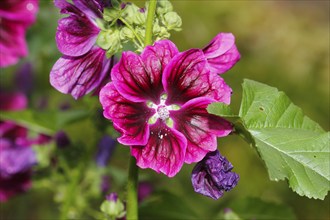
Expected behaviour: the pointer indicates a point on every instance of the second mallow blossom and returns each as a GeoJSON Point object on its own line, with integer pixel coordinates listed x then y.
{"type": "Point", "coordinates": [83, 66]}
{"type": "Point", "coordinates": [212, 176]}
{"type": "Point", "coordinates": [158, 100]}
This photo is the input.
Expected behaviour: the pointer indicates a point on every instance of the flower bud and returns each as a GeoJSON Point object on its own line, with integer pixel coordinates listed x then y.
{"type": "Point", "coordinates": [113, 207]}
{"type": "Point", "coordinates": [172, 21]}
{"type": "Point", "coordinates": [164, 7]}
{"type": "Point", "coordinates": [126, 34]}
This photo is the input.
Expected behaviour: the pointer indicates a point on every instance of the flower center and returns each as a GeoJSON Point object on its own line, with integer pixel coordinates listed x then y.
{"type": "Point", "coordinates": [162, 112]}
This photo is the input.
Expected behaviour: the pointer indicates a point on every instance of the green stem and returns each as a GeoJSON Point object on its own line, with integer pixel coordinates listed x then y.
{"type": "Point", "coordinates": [132, 29]}
{"type": "Point", "coordinates": [132, 185]}
{"type": "Point", "coordinates": [150, 22]}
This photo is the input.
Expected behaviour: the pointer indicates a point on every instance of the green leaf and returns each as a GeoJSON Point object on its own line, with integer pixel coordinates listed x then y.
{"type": "Point", "coordinates": [221, 109]}
{"type": "Point", "coordinates": [292, 145]}
{"type": "Point", "coordinates": [254, 208]}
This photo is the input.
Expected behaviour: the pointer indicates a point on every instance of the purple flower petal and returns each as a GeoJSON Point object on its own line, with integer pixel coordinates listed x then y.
{"type": "Point", "coordinates": [134, 81]}
{"type": "Point", "coordinates": [75, 35]}
{"type": "Point", "coordinates": [222, 53]}
{"type": "Point", "coordinates": [130, 118]}
{"type": "Point", "coordinates": [80, 75]}
{"type": "Point", "coordinates": [212, 176]}
{"type": "Point", "coordinates": [164, 152]}
{"type": "Point", "coordinates": [92, 8]}
{"type": "Point", "coordinates": [155, 59]}
{"type": "Point", "coordinates": [200, 128]}
{"type": "Point", "coordinates": [12, 42]}
{"type": "Point", "coordinates": [187, 77]}
{"type": "Point", "coordinates": [16, 160]}
{"type": "Point", "coordinates": [13, 101]}
{"type": "Point", "coordinates": [22, 11]}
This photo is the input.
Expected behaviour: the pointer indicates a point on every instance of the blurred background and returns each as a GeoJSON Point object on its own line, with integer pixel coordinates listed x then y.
{"type": "Point", "coordinates": [284, 44]}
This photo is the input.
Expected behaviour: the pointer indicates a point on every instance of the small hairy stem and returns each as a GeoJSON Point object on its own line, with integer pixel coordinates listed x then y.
{"type": "Point", "coordinates": [132, 185]}
{"type": "Point", "coordinates": [150, 22]}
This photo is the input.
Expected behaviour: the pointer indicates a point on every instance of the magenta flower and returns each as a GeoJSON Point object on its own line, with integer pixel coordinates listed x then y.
{"type": "Point", "coordinates": [15, 18]}
{"type": "Point", "coordinates": [83, 66]}
{"type": "Point", "coordinates": [212, 176]}
{"type": "Point", "coordinates": [158, 102]}
{"type": "Point", "coordinates": [16, 155]}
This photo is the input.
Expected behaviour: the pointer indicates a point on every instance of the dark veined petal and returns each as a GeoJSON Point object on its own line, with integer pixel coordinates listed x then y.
{"type": "Point", "coordinates": [75, 35]}
{"type": "Point", "coordinates": [222, 53]}
{"type": "Point", "coordinates": [132, 80]}
{"type": "Point", "coordinates": [212, 176]}
{"type": "Point", "coordinates": [80, 75]}
{"type": "Point", "coordinates": [164, 152]}
{"type": "Point", "coordinates": [187, 77]}
{"type": "Point", "coordinates": [199, 127]}
{"type": "Point", "coordinates": [155, 59]}
{"type": "Point", "coordinates": [92, 8]}
{"type": "Point", "coordinates": [129, 118]}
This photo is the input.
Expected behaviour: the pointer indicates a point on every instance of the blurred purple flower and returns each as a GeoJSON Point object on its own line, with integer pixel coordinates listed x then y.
{"type": "Point", "coordinates": [15, 18]}
{"type": "Point", "coordinates": [145, 189]}
{"type": "Point", "coordinates": [16, 155]}
{"type": "Point", "coordinates": [83, 66]}
{"type": "Point", "coordinates": [106, 148]}
{"type": "Point", "coordinates": [212, 176]}
{"type": "Point", "coordinates": [61, 139]}
{"type": "Point", "coordinates": [158, 100]}
{"type": "Point", "coordinates": [24, 79]}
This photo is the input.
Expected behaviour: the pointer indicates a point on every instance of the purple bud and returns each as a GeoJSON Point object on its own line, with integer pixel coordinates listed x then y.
{"type": "Point", "coordinates": [142, 10]}
{"type": "Point", "coordinates": [61, 139]}
{"type": "Point", "coordinates": [112, 197]}
{"type": "Point", "coordinates": [212, 176]}
{"type": "Point", "coordinates": [106, 147]}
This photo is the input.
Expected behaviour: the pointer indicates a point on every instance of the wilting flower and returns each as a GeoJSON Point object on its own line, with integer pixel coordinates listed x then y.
{"type": "Point", "coordinates": [16, 154]}
{"type": "Point", "coordinates": [84, 65]}
{"type": "Point", "coordinates": [158, 102]}
{"type": "Point", "coordinates": [15, 18]}
{"type": "Point", "coordinates": [212, 176]}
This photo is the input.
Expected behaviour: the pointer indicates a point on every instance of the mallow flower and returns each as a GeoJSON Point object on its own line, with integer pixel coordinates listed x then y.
{"type": "Point", "coordinates": [16, 155]}
{"type": "Point", "coordinates": [16, 16]}
{"type": "Point", "coordinates": [158, 100]}
{"type": "Point", "coordinates": [84, 65]}
{"type": "Point", "coordinates": [212, 176]}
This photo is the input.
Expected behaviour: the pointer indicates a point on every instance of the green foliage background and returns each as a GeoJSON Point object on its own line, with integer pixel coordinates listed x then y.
{"type": "Point", "coordinates": [284, 44]}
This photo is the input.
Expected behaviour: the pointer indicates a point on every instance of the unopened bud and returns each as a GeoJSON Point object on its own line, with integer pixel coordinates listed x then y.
{"type": "Point", "coordinates": [172, 21]}
{"type": "Point", "coordinates": [113, 207]}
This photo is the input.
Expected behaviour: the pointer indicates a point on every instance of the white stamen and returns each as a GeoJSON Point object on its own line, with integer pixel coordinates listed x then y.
{"type": "Point", "coordinates": [30, 6]}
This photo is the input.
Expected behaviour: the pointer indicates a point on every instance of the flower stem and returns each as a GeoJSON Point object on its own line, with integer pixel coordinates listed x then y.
{"type": "Point", "coordinates": [150, 22]}
{"type": "Point", "coordinates": [132, 185]}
